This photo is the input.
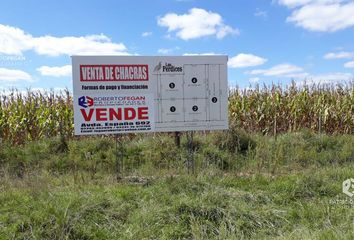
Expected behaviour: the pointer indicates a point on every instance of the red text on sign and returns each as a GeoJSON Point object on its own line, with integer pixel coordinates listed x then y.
{"type": "Point", "coordinates": [137, 72]}
{"type": "Point", "coordinates": [112, 114]}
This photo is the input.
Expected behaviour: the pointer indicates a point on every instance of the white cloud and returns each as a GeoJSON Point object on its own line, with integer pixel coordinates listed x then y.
{"type": "Point", "coordinates": [195, 24]}
{"type": "Point", "coordinates": [339, 55]}
{"type": "Point", "coordinates": [15, 41]}
{"type": "Point", "coordinates": [93, 44]}
{"type": "Point", "coordinates": [349, 64]}
{"type": "Point", "coordinates": [225, 30]}
{"type": "Point", "coordinates": [146, 34]}
{"type": "Point", "coordinates": [245, 60]}
{"type": "Point", "coordinates": [64, 71]}
{"type": "Point", "coordinates": [302, 77]}
{"type": "Point", "coordinates": [298, 3]}
{"type": "Point", "coordinates": [321, 15]}
{"type": "Point", "coordinates": [329, 78]}
{"type": "Point", "coordinates": [281, 70]}
{"type": "Point", "coordinates": [324, 18]}
{"type": "Point", "coordinates": [14, 75]}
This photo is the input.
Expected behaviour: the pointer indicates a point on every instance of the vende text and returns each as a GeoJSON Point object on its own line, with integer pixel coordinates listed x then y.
{"type": "Point", "coordinates": [115, 114]}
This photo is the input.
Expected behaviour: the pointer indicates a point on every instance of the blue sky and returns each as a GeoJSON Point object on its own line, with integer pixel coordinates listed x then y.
{"type": "Point", "coordinates": [272, 41]}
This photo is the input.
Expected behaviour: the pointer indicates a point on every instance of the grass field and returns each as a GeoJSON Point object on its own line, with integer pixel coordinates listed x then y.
{"type": "Point", "coordinates": [246, 186]}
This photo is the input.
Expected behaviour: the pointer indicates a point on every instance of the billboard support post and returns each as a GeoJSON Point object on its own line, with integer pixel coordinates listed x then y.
{"type": "Point", "coordinates": [119, 156]}
{"type": "Point", "coordinates": [190, 159]}
{"type": "Point", "coordinates": [178, 139]}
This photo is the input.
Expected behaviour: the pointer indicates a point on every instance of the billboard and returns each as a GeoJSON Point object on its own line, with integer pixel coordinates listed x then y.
{"type": "Point", "coordinates": [125, 94]}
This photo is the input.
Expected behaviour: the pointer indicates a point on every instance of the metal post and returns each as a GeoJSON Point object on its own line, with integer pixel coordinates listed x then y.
{"type": "Point", "coordinates": [190, 160]}
{"type": "Point", "coordinates": [178, 139]}
{"type": "Point", "coordinates": [119, 156]}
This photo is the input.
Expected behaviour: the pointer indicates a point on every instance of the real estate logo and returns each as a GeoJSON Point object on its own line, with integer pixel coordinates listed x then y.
{"type": "Point", "coordinates": [348, 187]}
{"type": "Point", "coordinates": [171, 68]}
{"type": "Point", "coordinates": [85, 101]}
{"type": "Point", "coordinates": [168, 67]}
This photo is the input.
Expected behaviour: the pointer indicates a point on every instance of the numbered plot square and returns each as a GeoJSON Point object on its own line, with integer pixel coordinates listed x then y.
{"type": "Point", "coordinates": [172, 111]}
{"type": "Point", "coordinates": [194, 81]}
{"type": "Point", "coordinates": [195, 110]}
{"type": "Point", "coordinates": [214, 108]}
{"type": "Point", "coordinates": [171, 86]}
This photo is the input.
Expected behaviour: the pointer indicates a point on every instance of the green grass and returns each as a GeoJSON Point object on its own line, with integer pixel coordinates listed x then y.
{"type": "Point", "coordinates": [245, 187]}
{"type": "Point", "coordinates": [295, 206]}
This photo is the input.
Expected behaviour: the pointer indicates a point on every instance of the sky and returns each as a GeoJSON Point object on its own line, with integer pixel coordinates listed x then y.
{"type": "Point", "coordinates": [267, 41]}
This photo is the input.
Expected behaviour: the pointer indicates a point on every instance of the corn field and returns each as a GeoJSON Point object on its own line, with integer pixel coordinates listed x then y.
{"type": "Point", "coordinates": [34, 115]}
{"type": "Point", "coordinates": [31, 115]}
{"type": "Point", "coordinates": [322, 108]}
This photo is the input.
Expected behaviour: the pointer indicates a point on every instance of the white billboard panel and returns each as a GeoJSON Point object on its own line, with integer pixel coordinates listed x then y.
{"type": "Point", "coordinates": [124, 94]}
